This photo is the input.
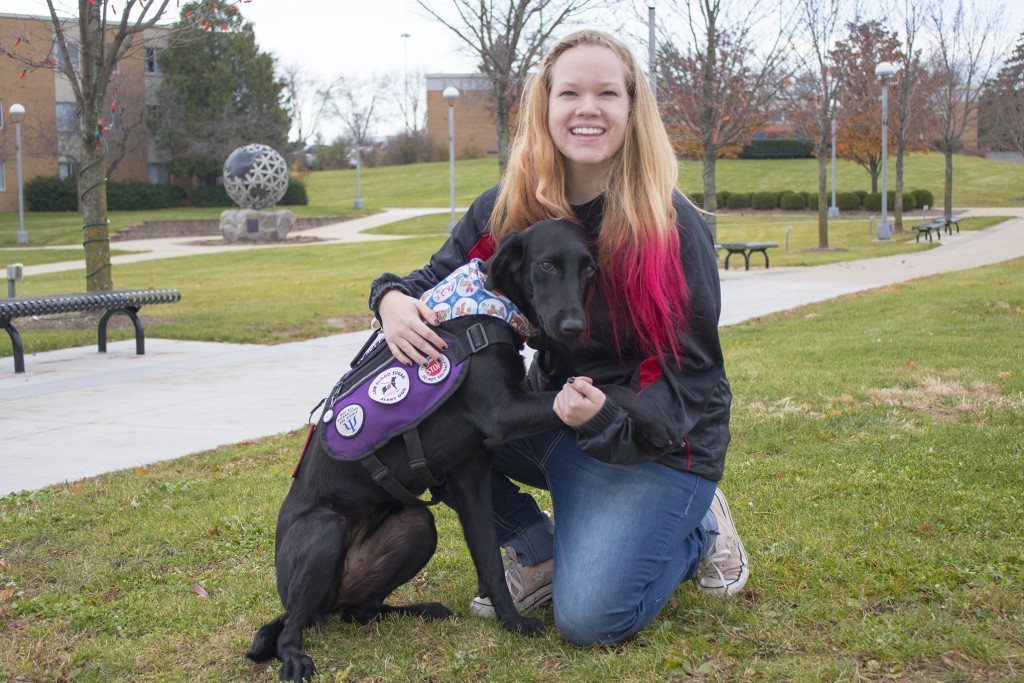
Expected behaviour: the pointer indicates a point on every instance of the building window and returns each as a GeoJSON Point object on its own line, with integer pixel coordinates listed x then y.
{"type": "Point", "coordinates": [64, 170]}
{"type": "Point", "coordinates": [67, 118]}
{"type": "Point", "coordinates": [2, 110]}
{"type": "Point", "coordinates": [3, 176]}
{"type": "Point", "coordinates": [156, 118]}
{"type": "Point", "coordinates": [72, 53]}
{"type": "Point", "coordinates": [152, 61]}
{"type": "Point", "coordinates": [158, 174]}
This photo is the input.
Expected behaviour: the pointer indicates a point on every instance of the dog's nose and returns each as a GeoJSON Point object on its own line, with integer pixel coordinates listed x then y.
{"type": "Point", "coordinates": [571, 327]}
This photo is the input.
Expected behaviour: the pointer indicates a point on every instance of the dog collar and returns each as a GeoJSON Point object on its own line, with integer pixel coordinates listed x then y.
{"type": "Point", "coordinates": [465, 292]}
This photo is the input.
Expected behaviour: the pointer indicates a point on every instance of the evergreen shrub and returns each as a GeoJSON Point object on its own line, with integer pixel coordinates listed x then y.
{"type": "Point", "coordinates": [792, 201]}
{"type": "Point", "coordinates": [764, 201]}
{"type": "Point", "coordinates": [48, 193]}
{"type": "Point", "coordinates": [738, 200]}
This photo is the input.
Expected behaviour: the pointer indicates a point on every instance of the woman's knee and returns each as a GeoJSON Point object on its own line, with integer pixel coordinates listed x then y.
{"type": "Point", "coordinates": [595, 622]}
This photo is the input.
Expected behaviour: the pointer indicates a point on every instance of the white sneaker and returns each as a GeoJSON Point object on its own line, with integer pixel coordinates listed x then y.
{"type": "Point", "coordinates": [724, 571]}
{"type": "Point", "coordinates": [529, 585]}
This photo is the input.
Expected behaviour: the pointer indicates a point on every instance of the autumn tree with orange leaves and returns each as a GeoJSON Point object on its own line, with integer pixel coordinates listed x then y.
{"type": "Point", "coordinates": [859, 118]}
{"type": "Point", "coordinates": [716, 88]}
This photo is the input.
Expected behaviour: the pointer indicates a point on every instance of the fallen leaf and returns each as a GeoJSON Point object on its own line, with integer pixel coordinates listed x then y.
{"type": "Point", "coordinates": [910, 364]}
{"type": "Point", "coordinates": [980, 422]}
{"type": "Point", "coordinates": [6, 594]}
{"type": "Point", "coordinates": [1005, 375]}
{"type": "Point", "coordinates": [141, 470]}
{"type": "Point", "coordinates": [925, 528]}
{"type": "Point", "coordinates": [3, 565]}
{"type": "Point", "coordinates": [812, 316]}
{"type": "Point", "coordinates": [199, 591]}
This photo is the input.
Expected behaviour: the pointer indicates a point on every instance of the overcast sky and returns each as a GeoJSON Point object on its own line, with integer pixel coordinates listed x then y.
{"type": "Point", "coordinates": [361, 38]}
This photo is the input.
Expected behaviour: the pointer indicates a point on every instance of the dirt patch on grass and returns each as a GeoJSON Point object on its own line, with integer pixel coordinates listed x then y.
{"type": "Point", "coordinates": [355, 322]}
{"type": "Point", "coordinates": [946, 399]}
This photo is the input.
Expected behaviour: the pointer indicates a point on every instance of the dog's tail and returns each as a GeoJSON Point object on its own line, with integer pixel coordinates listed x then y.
{"type": "Point", "coordinates": [264, 645]}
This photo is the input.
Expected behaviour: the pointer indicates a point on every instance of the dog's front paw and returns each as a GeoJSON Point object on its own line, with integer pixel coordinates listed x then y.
{"type": "Point", "coordinates": [435, 610]}
{"type": "Point", "coordinates": [526, 626]}
{"type": "Point", "coordinates": [297, 668]}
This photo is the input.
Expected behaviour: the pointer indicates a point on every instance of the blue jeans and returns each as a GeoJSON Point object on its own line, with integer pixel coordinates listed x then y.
{"type": "Point", "coordinates": [624, 538]}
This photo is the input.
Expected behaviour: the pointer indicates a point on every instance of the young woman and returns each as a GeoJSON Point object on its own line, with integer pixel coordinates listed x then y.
{"type": "Point", "coordinates": [631, 521]}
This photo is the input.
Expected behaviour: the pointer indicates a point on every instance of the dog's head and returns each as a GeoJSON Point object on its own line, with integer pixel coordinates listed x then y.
{"type": "Point", "coordinates": [546, 270]}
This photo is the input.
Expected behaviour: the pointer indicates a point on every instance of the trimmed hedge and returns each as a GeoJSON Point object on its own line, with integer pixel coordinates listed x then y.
{"type": "Point", "coordinates": [848, 201]}
{"type": "Point", "coordinates": [777, 148]}
{"type": "Point", "coordinates": [295, 194]}
{"type": "Point", "coordinates": [49, 193]}
{"type": "Point", "coordinates": [764, 201]}
{"type": "Point", "coordinates": [210, 196]}
{"type": "Point", "coordinates": [738, 200]}
{"type": "Point", "coordinates": [923, 198]}
{"type": "Point", "coordinates": [722, 198]}
{"type": "Point", "coordinates": [140, 196]}
{"type": "Point", "coordinates": [792, 201]}
{"type": "Point", "coordinates": [873, 202]}
{"type": "Point", "coordinates": [54, 194]}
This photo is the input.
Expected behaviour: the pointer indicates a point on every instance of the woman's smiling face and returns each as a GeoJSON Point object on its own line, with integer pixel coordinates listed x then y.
{"type": "Point", "coordinates": [588, 108]}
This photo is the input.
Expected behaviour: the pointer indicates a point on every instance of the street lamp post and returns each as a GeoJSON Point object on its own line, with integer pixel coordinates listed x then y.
{"type": "Point", "coordinates": [17, 112]}
{"type": "Point", "coordinates": [883, 71]}
{"type": "Point", "coordinates": [833, 210]}
{"type": "Point", "coordinates": [450, 94]}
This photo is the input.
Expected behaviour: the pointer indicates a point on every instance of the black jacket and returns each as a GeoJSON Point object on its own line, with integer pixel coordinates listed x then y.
{"type": "Point", "coordinates": [693, 398]}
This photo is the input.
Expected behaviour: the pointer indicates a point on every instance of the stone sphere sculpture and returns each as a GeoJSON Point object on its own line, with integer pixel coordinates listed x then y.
{"type": "Point", "coordinates": [255, 176]}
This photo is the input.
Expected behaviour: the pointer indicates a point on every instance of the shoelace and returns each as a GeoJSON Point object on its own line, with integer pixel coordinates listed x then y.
{"type": "Point", "coordinates": [712, 561]}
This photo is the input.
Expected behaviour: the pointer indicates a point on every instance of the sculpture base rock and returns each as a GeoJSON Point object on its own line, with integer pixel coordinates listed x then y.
{"type": "Point", "coordinates": [250, 225]}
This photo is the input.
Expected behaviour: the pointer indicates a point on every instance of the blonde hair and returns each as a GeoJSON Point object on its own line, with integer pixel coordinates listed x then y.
{"type": "Point", "coordinates": [643, 175]}
{"type": "Point", "coordinates": [637, 245]}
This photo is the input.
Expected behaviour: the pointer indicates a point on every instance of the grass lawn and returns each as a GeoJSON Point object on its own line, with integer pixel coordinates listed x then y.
{"type": "Point", "coordinates": [874, 473]}
{"type": "Point", "coordinates": [977, 182]}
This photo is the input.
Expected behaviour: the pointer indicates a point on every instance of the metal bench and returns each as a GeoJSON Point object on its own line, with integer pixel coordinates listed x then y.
{"type": "Point", "coordinates": [927, 229]}
{"type": "Point", "coordinates": [746, 249]}
{"type": "Point", "coordinates": [953, 221]}
{"type": "Point", "coordinates": [126, 301]}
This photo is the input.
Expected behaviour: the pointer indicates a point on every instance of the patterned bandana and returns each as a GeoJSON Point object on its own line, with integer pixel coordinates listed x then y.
{"type": "Point", "coordinates": [464, 292]}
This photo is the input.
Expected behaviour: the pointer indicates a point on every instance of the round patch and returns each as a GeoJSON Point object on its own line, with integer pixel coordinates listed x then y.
{"type": "Point", "coordinates": [390, 386]}
{"type": "Point", "coordinates": [442, 311]}
{"type": "Point", "coordinates": [328, 415]}
{"type": "Point", "coordinates": [466, 287]}
{"type": "Point", "coordinates": [350, 420]}
{"type": "Point", "coordinates": [443, 291]}
{"type": "Point", "coordinates": [436, 371]}
{"type": "Point", "coordinates": [464, 307]}
{"type": "Point", "coordinates": [493, 307]}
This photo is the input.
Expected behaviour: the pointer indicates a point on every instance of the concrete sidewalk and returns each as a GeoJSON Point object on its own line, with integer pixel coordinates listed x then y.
{"type": "Point", "coordinates": [76, 413]}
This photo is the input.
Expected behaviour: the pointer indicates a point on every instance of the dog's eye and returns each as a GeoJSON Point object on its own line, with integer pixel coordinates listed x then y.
{"type": "Point", "coordinates": [547, 266]}
{"type": "Point", "coordinates": [589, 271]}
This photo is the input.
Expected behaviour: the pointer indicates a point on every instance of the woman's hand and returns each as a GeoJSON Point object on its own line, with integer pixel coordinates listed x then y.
{"type": "Point", "coordinates": [578, 401]}
{"type": "Point", "coordinates": [408, 326]}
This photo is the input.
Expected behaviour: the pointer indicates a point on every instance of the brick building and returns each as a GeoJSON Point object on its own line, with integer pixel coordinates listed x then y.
{"type": "Point", "coordinates": [476, 133]}
{"type": "Point", "coordinates": [50, 136]}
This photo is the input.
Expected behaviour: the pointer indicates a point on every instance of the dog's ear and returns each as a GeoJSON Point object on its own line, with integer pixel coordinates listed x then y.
{"type": "Point", "coordinates": [503, 268]}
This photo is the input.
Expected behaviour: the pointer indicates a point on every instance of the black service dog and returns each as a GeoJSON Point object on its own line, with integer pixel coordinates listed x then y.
{"type": "Point", "coordinates": [344, 544]}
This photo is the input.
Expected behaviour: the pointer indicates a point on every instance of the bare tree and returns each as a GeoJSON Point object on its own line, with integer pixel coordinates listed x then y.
{"type": "Point", "coordinates": [817, 92]}
{"type": "Point", "coordinates": [911, 89]}
{"type": "Point", "coordinates": [714, 93]}
{"type": "Point", "coordinates": [107, 31]}
{"type": "Point", "coordinates": [356, 103]}
{"type": "Point", "coordinates": [305, 101]}
{"type": "Point", "coordinates": [965, 52]}
{"type": "Point", "coordinates": [508, 37]}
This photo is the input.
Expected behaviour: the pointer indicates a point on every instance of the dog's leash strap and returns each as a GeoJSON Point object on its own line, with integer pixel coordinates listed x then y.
{"type": "Point", "coordinates": [383, 477]}
{"type": "Point", "coordinates": [477, 337]}
{"type": "Point", "coordinates": [417, 461]}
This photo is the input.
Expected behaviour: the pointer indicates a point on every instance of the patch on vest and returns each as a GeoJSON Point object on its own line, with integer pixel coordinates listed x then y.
{"type": "Point", "coordinates": [380, 399]}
